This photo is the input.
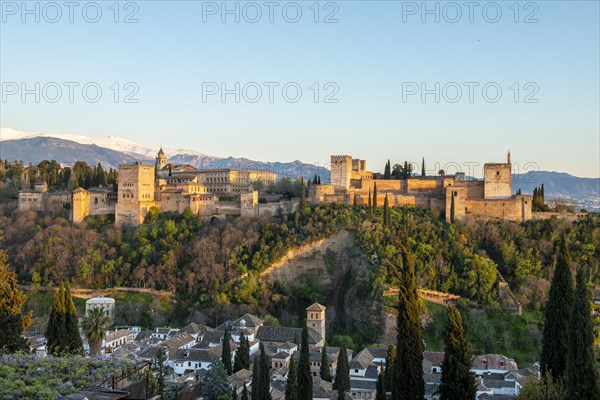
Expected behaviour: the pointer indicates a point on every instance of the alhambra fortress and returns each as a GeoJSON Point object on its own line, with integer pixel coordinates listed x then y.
{"type": "Point", "coordinates": [215, 193]}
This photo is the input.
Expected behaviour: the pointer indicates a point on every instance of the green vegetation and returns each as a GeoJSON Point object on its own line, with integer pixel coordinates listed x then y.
{"type": "Point", "coordinates": [94, 326]}
{"type": "Point", "coordinates": [24, 376]}
{"type": "Point", "coordinates": [558, 312]}
{"type": "Point", "coordinates": [62, 331]}
{"type": "Point", "coordinates": [407, 382]}
{"type": "Point", "coordinates": [12, 319]}
{"type": "Point", "coordinates": [305, 381]}
{"type": "Point", "coordinates": [457, 381]}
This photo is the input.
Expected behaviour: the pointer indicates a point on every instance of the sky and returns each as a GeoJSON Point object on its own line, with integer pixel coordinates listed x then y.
{"type": "Point", "coordinates": [454, 82]}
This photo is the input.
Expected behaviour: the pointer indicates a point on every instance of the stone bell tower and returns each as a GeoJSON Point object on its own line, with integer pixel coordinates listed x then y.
{"type": "Point", "coordinates": [315, 319]}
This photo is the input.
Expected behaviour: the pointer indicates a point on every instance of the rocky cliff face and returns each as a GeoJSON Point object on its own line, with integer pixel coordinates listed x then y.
{"type": "Point", "coordinates": [338, 264]}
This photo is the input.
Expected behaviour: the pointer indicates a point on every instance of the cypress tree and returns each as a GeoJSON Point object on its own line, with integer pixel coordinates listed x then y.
{"type": "Point", "coordinates": [375, 195]}
{"type": "Point", "coordinates": [242, 355]}
{"type": "Point", "coordinates": [381, 392]}
{"type": "Point", "coordinates": [12, 319]}
{"type": "Point", "coordinates": [370, 203]}
{"type": "Point", "coordinates": [390, 362]}
{"type": "Point", "coordinates": [305, 382]}
{"type": "Point", "coordinates": [55, 331]}
{"type": "Point", "coordinates": [325, 372]}
{"type": "Point", "coordinates": [226, 353]}
{"type": "Point", "coordinates": [303, 202]}
{"type": "Point", "coordinates": [245, 392]}
{"type": "Point", "coordinates": [387, 172]}
{"type": "Point", "coordinates": [255, 378]}
{"type": "Point", "coordinates": [457, 381]}
{"type": "Point", "coordinates": [342, 372]}
{"type": "Point", "coordinates": [581, 374]}
{"type": "Point", "coordinates": [319, 180]}
{"type": "Point", "coordinates": [291, 388]}
{"type": "Point", "coordinates": [386, 211]}
{"type": "Point", "coordinates": [408, 383]}
{"type": "Point", "coordinates": [233, 394]}
{"type": "Point", "coordinates": [263, 390]}
{"type": "Point", "coordinates": [558, 312]}
{"type": "Point", "coordinates": [355, 203]}
{"type": "Point", "coordinates": [423, 168]}
{"type": "Point", "coordinates": [74, 344]}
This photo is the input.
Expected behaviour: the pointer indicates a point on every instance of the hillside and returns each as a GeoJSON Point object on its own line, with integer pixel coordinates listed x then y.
{"type": "Point", "coordinates": [557, 184]}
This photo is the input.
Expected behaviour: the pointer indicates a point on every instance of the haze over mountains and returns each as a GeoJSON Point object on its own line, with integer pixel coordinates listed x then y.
{"type": "Point", "coordinates": [111, 151]}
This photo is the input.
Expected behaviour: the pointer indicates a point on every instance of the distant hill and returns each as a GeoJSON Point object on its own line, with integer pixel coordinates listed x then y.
{"type": "Point", "coordinates": [557, 184]}
{"type": "Point", "coordinates": [34, 148]}
{"type": "Point", "coordinates": [63, 151]}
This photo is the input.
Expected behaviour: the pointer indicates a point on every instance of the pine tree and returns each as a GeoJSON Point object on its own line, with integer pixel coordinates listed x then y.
{"type": "Point", "coordinates": [12, 319]}
{"type": "Point", "coordinates": [375, 195]}
{"type": "Point", "coordinates": [291, 388]}
{"type": "Point", "coordinates": [56, 329]}
{"type": "Point", "coordinates": [305, 382]}
{"type": "Point", "coordinates": [73, 344]}
{"type": "Point", "coordinates": [558, 312]}
{"type": "Point", "coordinates": [581, 374]}
{"type": "Point", "coordinates": [423, 168]}
{"type": "Point", "coordinates": [342, 372]}
{"type": "Point", "coordinates": [226, 353]}
{"type": "Point", "coordinates": [214, 384]}
{"type": "Point", "coordinates": [263, 390]}
{"type": "Point", "coordinates": [325, 372]}
{"type": "Point", "coordinates": [242, 355]}
{"type": "Point", "coordinates": [408, 383]}
{"type": "Point", "coordinates": [457, 382]}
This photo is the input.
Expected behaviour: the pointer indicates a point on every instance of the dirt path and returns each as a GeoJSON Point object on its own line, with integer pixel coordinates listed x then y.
{"type": "Point", "coordinates": [89, 293]}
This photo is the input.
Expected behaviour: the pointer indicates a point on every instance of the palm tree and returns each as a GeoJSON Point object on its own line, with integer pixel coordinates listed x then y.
{"type": "Point", "coordinates": [93, 327]}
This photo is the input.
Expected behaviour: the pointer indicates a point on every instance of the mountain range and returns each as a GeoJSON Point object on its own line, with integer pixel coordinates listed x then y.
{"type": "Point", "coordinates": [112, 151]}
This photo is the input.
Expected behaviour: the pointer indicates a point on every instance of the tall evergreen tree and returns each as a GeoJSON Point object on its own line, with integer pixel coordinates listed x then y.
{"type": "Point", "coordinates": [355, 202]}
{"type": "Point", "coordinates": [387, 172]}
{"type": "Point", "coordinates": [255, 378]}
{"type": "Point", "coordinates": [370, 202]}
{"type": "Point", "coordinates": [303, 202]}
{"type": "Point", "coordinates": [581, 374]}
{"type": "Point", "coordinates": [245, 392]}
{"type": "Point", "coordinates": [319, 180]}
{"type": "Point", "coordinates": [226, 352]}
{"type": "Point", "coordinates": [263, 390]}
{"type": "Point", "coordinates": [73, 344]}
{"type": "Point", "coordinates": [423, 172]}
{"type": "Point", "coordinates": [305, 383]}
{"type": "Point", "coordinates": [160, 367]}
{"type": "Point", "coordinates": [342, 372]}
{"type": "Point", "coordinates": [56, 330]}
{"type": "Point", "coordinates": [381, 392]}
{"type": "Point", "coordinates": [390, 362]}
{"type": "Point", "coordinates": [457, 381]}
{"type": "Point", "coordinates": [325, 372]}
{"type": "Point", "coordinates": [386, 211]}
{"type": "Point", "coordinates": [291, 388]}
{"type": "Point", "coordinates": [242, 355]}
{"type": "Point", "coordinates": [408, 383]}
{"type": "Point", "coordinates": [375, 195]}
{"type": "Point", "coordinates": [12, 319]}
{"type": "Point", "coordinates": [214, 384]}
{"type": "Point", "coordinates": [558, 312]}
{"type": "Point", "coordinates": [233, 394]}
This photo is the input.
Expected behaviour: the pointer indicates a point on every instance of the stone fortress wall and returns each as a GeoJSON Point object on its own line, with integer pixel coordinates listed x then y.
{"type": "Point", "coordinates": [490, 198]}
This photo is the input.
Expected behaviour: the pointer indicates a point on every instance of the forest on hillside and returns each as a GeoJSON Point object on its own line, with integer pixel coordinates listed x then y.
{"type": "Point", "coordinates": [220, 263]}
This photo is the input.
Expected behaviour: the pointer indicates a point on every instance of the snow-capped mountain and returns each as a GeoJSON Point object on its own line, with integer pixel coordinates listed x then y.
{"type": "Point", "coordinates": [110, 142]}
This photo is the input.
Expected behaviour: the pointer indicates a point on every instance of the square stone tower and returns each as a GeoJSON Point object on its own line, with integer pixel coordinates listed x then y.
{"type": "Point", "coordinates": [497, 181]}
{"type": "Point", "coordinates": [341, 171]}
{"type": "Point", "coordinates": [135, 194]}
{"type": "Point", "coordinates": [315, 319]}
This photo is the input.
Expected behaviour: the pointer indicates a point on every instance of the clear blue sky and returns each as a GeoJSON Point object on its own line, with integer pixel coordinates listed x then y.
{"type": "Point", "coordinates": [368, 53]}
